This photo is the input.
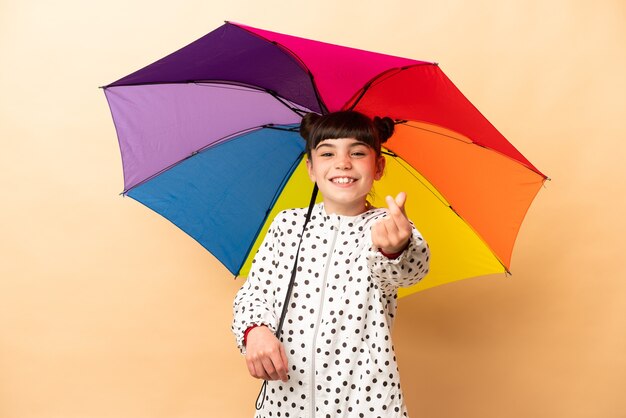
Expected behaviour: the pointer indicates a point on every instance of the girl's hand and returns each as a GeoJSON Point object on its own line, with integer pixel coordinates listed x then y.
{"type": "Point", "coordinates": [265, 355]}
{"type": "Point", "coordinates": [392, 234]}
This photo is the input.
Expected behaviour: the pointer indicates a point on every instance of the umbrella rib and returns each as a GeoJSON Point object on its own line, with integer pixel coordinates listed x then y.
{"type": "Point", "coordinates": [196, 81]}
{"type": "Point", "coordinates": [228, 84]}
{"type": "Point", "coordinates": [403, 165]}
{"type": "Point", "coordinates": [279, 189]}
{"type": "Point", "coordinates": [472, 142]}
{"type": "Point", "coordinates": [406, 123]}
{"type": "Point", "coordinates": [275, 95]}
{"type": "Point", "coordinates": [299, 61]}
{"type": "Point", "coordinates": [282, 128]}
{"type": "Point", "coordinates": [359, 95]}
{"type": "Point", "coordinates": [219, 141]}
{"type": "Point", "coordinates": [429, 186]}
{"type": "Point", "coordinates": [356, 98]}
{"type": "Point", "coordinates": [295, 110]}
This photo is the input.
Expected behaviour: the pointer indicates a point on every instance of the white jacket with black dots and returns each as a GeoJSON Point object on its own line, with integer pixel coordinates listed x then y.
{"type": "Point", "coordinates": [337, 330]}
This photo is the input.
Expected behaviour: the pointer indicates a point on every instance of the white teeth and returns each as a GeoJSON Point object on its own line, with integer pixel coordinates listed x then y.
{"type": "Point", "coordinates": [342, 180]}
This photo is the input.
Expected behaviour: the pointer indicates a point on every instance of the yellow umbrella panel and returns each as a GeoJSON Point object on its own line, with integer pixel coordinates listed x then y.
{"type": "Point", "coordinates": [471, 231]}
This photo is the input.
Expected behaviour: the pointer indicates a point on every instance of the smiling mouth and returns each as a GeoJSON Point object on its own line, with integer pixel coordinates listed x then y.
{"type": "Point", "coordinates": [343, 180]}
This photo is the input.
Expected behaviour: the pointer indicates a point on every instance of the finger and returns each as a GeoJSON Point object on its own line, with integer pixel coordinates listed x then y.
{"type": "Point", "coordinates": [379, 234]}
{"type": "Point", "coordinates": [257, 370]}
{"type": "Point", "coordinates": [391, 230]}
{"type": "Point", "coordinates": [279, 366]}
{"type": "Point", "coordinates": [391, 203]}
{"type": "Point", "coordinates": [393, 208]}
{"type": "Point", "coordinates": [269, 368]}
{"type": "Point", "coordinates": [397, 205]}
{"type": "Point", "coordinates": [251, 368]}
{"type": "Point", "coordinates": [401, 200]}
{"type": "Point", "coordinates": [390, 234]}
{"type": "Point", "coordinates": [284, 377]}
{"type": "Point", "coordinates": [398, 214]}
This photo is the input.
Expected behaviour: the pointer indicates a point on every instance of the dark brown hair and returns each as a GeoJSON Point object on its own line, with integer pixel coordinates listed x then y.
{"type": "Point", "coordinates": [345, 124]}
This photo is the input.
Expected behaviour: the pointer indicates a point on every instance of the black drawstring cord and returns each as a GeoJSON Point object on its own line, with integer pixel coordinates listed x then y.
{"type": "Point", "coordinates": [261, 398]}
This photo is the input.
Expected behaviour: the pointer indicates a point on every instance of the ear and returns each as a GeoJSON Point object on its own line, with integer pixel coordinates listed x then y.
{"type": "Point", "coordinates": [309, 168]}
{"type": "Point", "coordinates": [380, 167]}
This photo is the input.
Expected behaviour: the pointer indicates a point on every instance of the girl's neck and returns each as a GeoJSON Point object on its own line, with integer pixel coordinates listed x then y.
{"type": "Point", "coordinates": [343, 210]}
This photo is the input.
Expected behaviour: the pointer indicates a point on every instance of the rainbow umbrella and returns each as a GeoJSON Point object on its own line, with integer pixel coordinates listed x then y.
{"type": "Point", "coordinates": [209, 140]}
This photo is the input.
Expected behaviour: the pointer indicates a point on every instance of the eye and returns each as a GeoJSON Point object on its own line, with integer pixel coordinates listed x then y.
{"type": "Point", "coordinates": [326, 154]}
{"type": "Point", "coordinates": [359, 152]}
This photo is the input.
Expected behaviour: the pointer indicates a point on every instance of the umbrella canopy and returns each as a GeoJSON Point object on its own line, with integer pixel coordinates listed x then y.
{"type": "Point", "coordinates": [209, 139]}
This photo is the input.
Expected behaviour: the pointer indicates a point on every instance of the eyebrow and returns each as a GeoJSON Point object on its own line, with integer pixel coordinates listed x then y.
{"type": "Point", "coordinates": [331, 145]}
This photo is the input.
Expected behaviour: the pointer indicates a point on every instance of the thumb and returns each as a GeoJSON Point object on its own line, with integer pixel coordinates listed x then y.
{"type": "Point", "coordinates": [401, 200]}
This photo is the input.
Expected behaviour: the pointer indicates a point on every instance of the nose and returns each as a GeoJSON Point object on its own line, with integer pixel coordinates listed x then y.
{"type": "Point", "coordinates": [344, 162]}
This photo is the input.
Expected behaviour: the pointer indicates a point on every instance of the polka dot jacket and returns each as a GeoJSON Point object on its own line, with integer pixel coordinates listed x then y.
{"type": "Point", "coordinates": [337, 330]}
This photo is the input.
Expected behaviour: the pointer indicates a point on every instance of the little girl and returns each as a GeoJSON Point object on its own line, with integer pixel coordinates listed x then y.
{"type": "Point", "coordinates": [334, 357]}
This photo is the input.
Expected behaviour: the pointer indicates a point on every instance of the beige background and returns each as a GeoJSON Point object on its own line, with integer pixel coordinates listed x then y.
{"type": "Point", "coordinates": [108, 310]}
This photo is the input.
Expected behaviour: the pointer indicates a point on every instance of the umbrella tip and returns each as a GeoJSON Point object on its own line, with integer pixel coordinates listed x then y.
{"type": "Point", "coordinates": [543, 183]}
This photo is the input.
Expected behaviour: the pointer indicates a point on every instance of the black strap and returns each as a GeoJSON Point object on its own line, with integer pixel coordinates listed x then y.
{"type": "Point", "coordinates": [261, 398]}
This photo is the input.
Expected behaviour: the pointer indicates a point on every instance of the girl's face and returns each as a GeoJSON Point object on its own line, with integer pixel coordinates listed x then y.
{"type": "Point", "coordinates": [344, 170]}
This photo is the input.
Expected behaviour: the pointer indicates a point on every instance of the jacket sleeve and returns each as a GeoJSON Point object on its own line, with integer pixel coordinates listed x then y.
{"type": "Point", "coordinates": [253, 303]}
{"type": "Point", "coordinates": [405, 270]}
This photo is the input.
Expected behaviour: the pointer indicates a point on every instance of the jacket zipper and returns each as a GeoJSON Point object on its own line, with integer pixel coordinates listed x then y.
{"type": "Point", "coordinates": [319, 316]}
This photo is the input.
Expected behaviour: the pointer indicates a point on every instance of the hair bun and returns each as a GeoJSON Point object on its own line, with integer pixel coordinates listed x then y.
{"type": "Point", "coordinates": [385, 127]}
{"type": "Point", "coordinates": [308, 122]}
